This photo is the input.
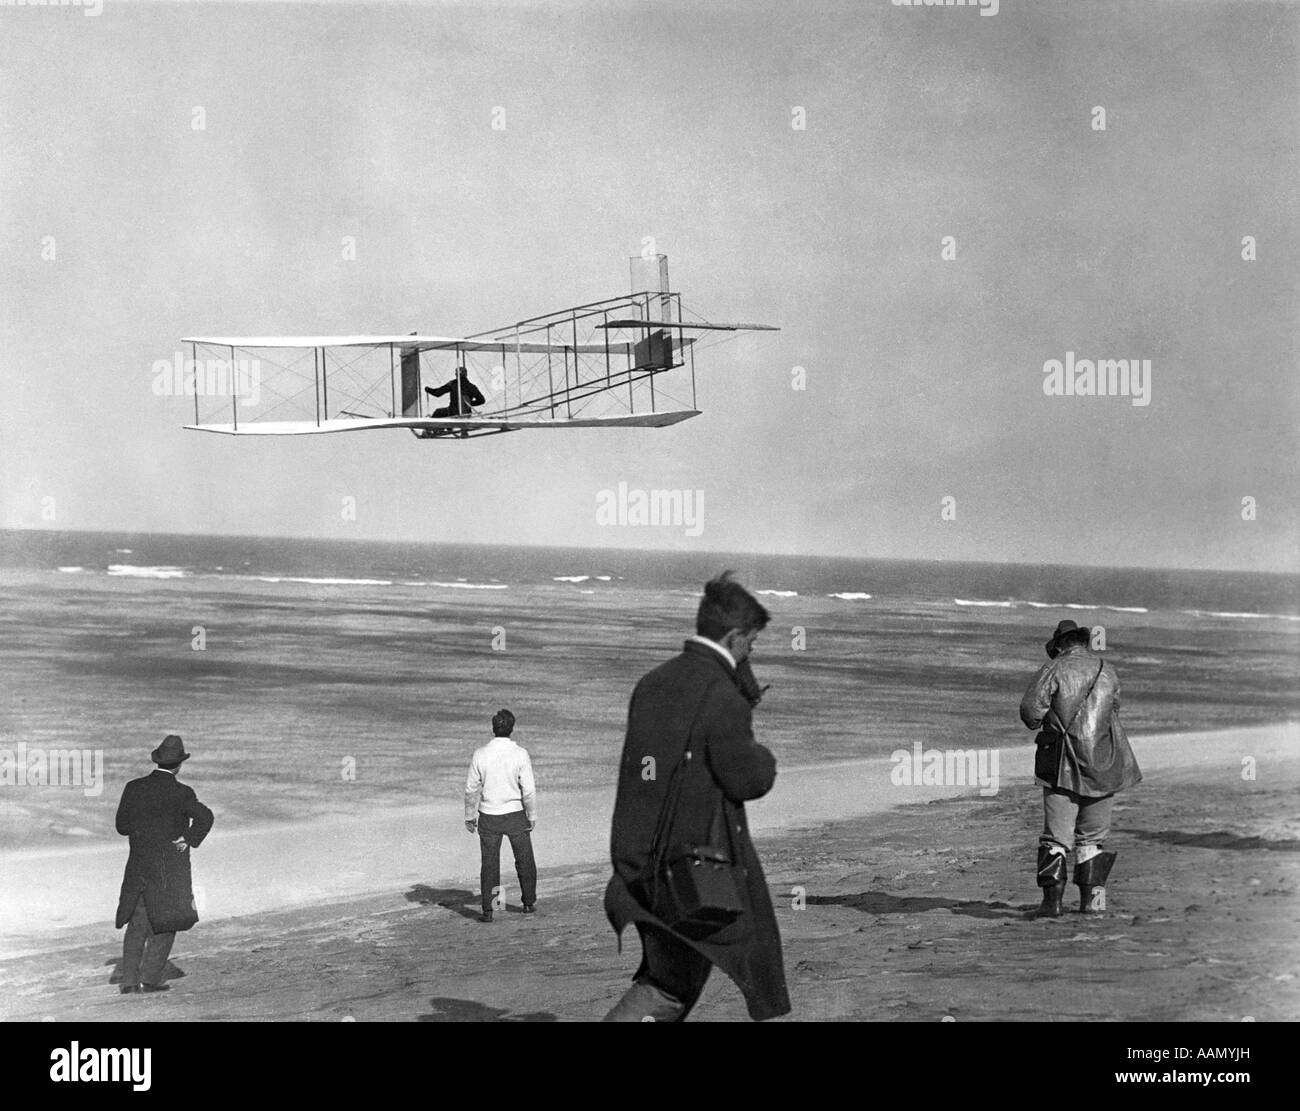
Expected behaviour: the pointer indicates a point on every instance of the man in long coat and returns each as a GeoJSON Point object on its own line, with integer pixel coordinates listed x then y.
{"type": "Point", "coordinates": [164, 820]}
{"type": "Point", "coordinates": [1083, 759]}
{"type": "Point", "coordinates": [693, 703]}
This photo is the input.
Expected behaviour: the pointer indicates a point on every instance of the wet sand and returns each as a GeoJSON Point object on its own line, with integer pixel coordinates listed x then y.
{"type": "Point", "coordinates": [912, 910]}
{"type": "Point", "coordinates": [315, 702]}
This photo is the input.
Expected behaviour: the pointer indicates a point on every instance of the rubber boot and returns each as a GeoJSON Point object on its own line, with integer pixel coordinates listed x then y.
{"type": "Point", "coordinates": [1091, 878]}
{"type": "Point", "coordinates": [1051, 878]}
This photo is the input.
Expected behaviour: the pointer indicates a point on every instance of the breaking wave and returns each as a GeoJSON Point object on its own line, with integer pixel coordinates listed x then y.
{"type": "Point", "coordinates": [459, 585]}
{"type": "Point", "coordinates": [1082, 606]}
{"type": "Point", "coordinates": [130, 570]}
{"type": "Point", "coordinates": [320, 582]}
{"type": "Point", "coordinates": [1262, 616]}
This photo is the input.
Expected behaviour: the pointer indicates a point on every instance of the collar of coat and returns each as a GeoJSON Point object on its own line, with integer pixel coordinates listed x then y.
{"type": "Point", "coordinates": [710, 649]}
{"type": "Point", "coordinates": [1075, 650]}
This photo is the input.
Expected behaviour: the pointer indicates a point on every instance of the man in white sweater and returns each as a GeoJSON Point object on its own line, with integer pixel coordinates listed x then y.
{"type": "Point", "coordinates": [501, 801]}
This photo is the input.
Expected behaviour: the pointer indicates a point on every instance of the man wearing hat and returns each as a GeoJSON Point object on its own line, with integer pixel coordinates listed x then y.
{"type": "Point", "coordinates": [164, 820]}
{"type": "Point", "coordinates": [1083, 759]}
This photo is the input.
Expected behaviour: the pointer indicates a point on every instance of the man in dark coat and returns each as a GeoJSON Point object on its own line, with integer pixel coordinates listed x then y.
{"type": "Point", "coordinates": [693, 704]}
{"type": "Point", "coordinates": [164, 820]}
{"type": "Point", "coordinates": [1083, 759]}
{"type": "Point", "coordinates": [465, 396]}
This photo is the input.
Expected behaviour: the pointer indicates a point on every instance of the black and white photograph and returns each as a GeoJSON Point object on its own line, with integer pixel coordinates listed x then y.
{"type": "Point", "coordinates": [646, 511]}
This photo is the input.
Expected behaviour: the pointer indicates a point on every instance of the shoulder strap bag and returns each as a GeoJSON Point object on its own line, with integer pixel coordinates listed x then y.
{"type": "Point", "coordinates": [692, 888]}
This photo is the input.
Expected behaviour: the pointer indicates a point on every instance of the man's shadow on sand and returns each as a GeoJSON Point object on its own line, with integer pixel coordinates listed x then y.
{"type": "Point", "coordinates": [462, 902]}
{"type": "Point", "coordinates": [1220, 839]}
{"type": "Point", "coordinates": [880, 902]}
{"type": "Point", "coordinates": [457, 899]}
{"type": "Point", "coordinates": [466, 1010]}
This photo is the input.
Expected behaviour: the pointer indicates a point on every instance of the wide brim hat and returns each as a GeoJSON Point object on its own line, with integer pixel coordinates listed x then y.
{"type": "Point", "coordinates": [1062, 628]}
{"type": "Point", "coordinates": [171, 751]}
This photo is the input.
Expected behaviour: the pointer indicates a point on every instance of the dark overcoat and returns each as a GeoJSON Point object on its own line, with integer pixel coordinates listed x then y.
{"type": "Point", "coordinates": [464, 395]}
{"type": "Point", "coordinates": [692, 700]}
{"type": "Point", "coordinates": [154, 811]}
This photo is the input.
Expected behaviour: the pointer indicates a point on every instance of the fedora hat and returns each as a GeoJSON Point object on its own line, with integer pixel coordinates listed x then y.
{"type": "Point", "coordinates": [171, 751]}
{"type": "Point", "coordinates": [1062, 629]}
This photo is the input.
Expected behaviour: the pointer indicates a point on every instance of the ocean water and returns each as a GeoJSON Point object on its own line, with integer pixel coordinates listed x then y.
{"type": "Point", "coordinates": [321, 677]}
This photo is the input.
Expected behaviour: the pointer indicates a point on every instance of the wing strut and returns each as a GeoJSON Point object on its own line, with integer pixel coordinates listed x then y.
{"type": "Point", "coordinates": [550, 378]}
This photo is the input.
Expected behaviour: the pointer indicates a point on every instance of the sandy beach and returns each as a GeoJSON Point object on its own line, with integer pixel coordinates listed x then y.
{"type": "Point", "coordinates": [895, 902]}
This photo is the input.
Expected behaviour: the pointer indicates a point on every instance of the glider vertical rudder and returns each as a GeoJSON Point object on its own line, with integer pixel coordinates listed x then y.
{"type": "Point", "coordinates": [410, 381]}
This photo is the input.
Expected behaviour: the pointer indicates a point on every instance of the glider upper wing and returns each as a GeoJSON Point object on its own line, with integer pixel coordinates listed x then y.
{"type": "Point", "coordinates": [703, 326]}
{"type": "Point", "coordinates": [424, 343]}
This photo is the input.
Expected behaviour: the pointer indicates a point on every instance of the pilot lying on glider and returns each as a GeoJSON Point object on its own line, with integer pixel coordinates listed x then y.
{"type": "Point", "coordinates": [464, 395]}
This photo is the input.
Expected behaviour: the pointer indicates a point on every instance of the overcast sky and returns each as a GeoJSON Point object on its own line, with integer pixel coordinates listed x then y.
{"type": "Point", "coordinates": [623, 121]}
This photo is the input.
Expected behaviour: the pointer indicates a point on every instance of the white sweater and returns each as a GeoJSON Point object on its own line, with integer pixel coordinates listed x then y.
{"type": "Point", "coordinates": [500, 781]}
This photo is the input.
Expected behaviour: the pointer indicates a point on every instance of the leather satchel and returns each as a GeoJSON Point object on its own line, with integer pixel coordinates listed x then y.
{"type": "Point", "coordinates": [700, 892]}
{"type": "Point", "coordinates": [692, 888]}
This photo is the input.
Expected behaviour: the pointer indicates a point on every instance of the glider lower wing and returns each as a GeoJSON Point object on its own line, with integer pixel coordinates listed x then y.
{"type": "Point", "coordinates": [443, 424]}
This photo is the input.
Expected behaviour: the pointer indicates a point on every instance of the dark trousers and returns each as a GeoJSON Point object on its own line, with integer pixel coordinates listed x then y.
{"type": "Point", "coordinates": [491, 828]}
{"type": "Point", "coordinates": [144, 953]}
{"type": "Point", "coordinates": [667, 985]}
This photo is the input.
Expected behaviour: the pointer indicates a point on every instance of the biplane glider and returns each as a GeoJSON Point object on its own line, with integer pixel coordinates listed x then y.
{"type": "Point", "coordinates": [623, 362]}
